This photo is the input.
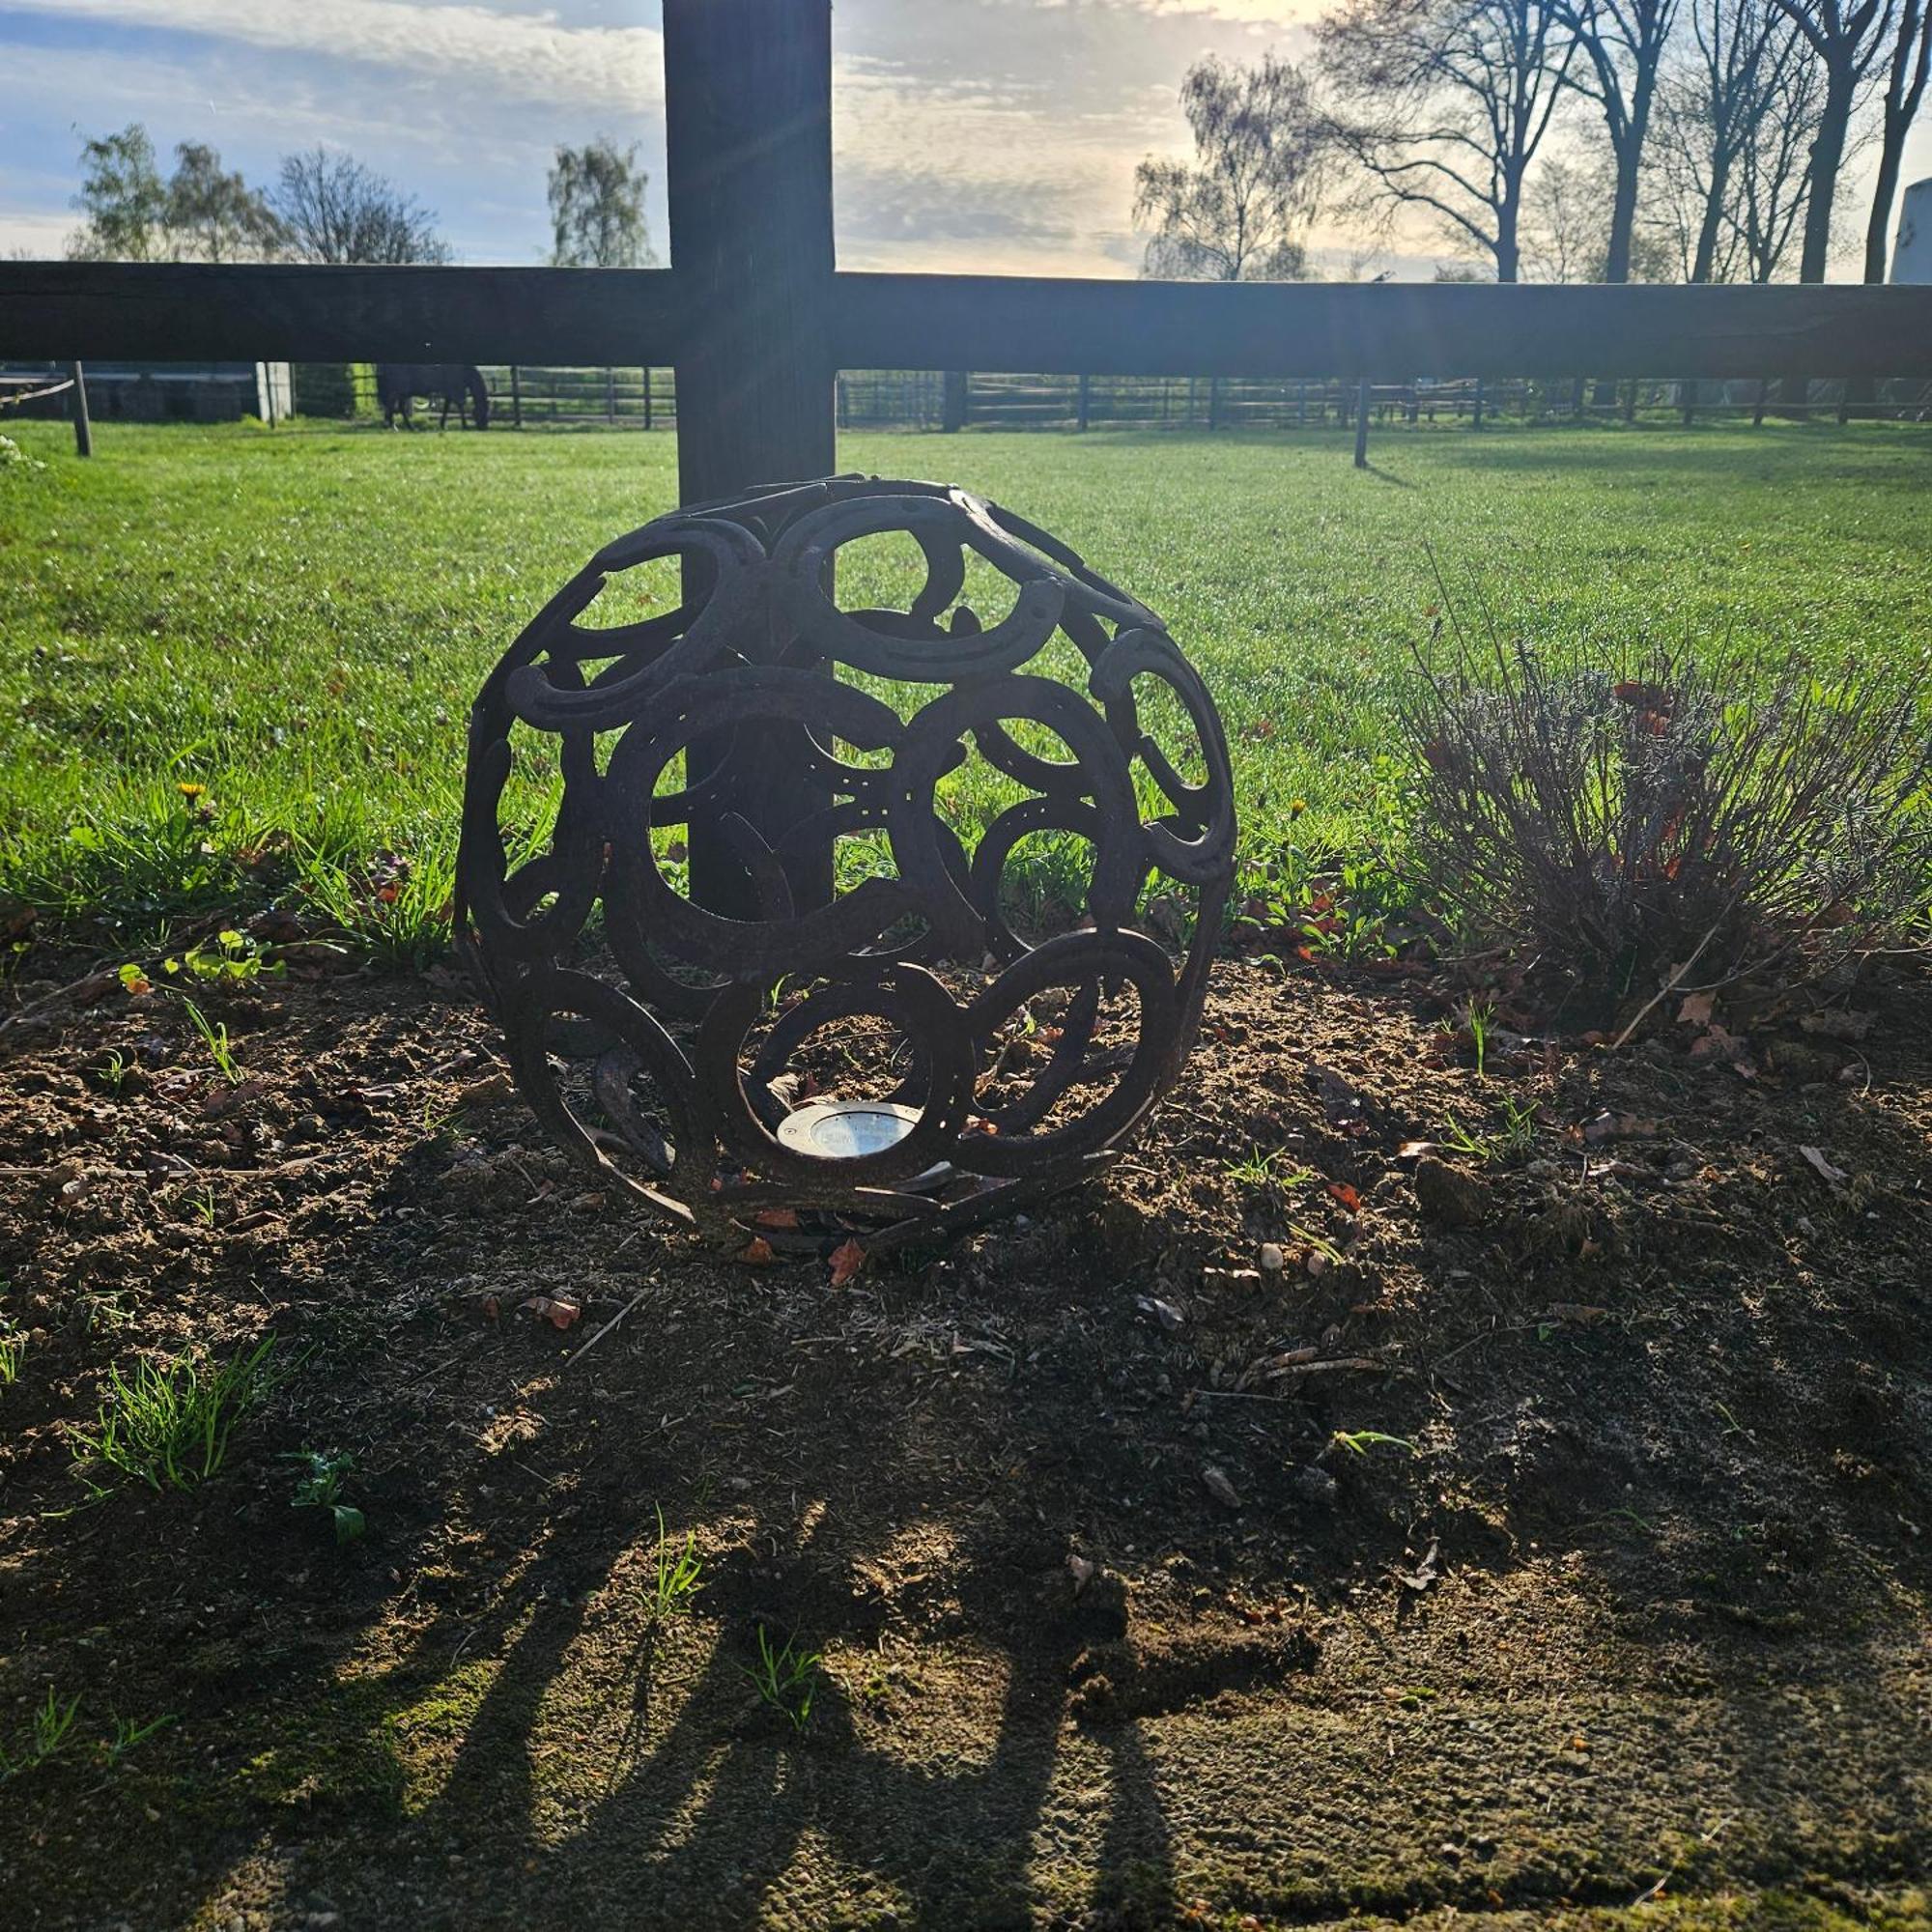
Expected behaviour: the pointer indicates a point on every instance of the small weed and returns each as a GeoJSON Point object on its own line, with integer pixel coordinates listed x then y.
{"type": "Point", "coordinates": [677, 1578]}
{"type": "Point", "coordinates": [113, 1072]}
{"type": "Point", "coordinates": [12, 1352]}
{"type": "Point", "coordinates": [207, 1208]}
{"type": "Point", "coordinates": [1514, 1140]}
{"type": "Point", "coordinates": [1322, 1245]}
{"type": "Point", "coordinates": [128, 1733]}
{"type": "Point", "coordinates": [233, 956]}
{"type": "Point", "coordinates": [319, 1479]}
{"type": "Point", "coordinates": [1517, 1138]}
{"type": "Point", "coordinates": [171, 1426]}
{"type": "Point", "coordinates": [214, 1037]}
{"type": "Point", "coordinates": [1480, 1019]}
{"type": "Point", "coordinates": [1359, 1441]}
{"type": "Point", "coordinates": [786, 1678]}
{"type": "Point", "coordinates": [1267, 1170]}
{"type": "Point", "coordinates": [52, 1721]}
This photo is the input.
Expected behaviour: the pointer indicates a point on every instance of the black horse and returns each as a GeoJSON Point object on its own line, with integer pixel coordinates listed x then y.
{"type": "Point", "coordinates": [399, 384]}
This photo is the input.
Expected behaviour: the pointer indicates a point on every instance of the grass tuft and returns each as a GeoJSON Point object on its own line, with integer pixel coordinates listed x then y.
{"type": "Point", "coordinates": [169, 1424]}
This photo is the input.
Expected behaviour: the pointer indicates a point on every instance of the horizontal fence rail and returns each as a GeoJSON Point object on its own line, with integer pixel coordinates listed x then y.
{"type": "Point", "coordinates": [1381, 331]}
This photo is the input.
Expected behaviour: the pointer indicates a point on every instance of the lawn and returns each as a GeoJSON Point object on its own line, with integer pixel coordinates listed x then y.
{"type": "Point", "coordinates": [1450, 1468]}
{"type": "Point", "coordinates": [294, 624]}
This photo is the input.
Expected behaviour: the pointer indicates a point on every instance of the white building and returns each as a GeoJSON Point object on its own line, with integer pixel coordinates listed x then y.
{"type": "Point", "coordinates": [1912, 254]}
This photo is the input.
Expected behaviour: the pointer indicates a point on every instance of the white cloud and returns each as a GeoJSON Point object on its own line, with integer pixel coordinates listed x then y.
{"type": "Point", "coordinates": [529, 56]}
{"type": "Point", "coordinates": [43, 237]}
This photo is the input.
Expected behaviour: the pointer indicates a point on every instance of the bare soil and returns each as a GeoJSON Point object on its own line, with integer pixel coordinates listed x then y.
{"type": "Point", "coordinates": [1546, 1532]}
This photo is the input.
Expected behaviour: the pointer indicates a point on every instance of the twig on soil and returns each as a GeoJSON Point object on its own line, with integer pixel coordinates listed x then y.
{"type": "Point", "coordinates": [607, 1329]}
{"type": "Point", "coordinates": [100, 977]}
{"type": "Point", "coordinates": [1670, 983]}
{"type": "Point", "coordinates": [1709, 1838]}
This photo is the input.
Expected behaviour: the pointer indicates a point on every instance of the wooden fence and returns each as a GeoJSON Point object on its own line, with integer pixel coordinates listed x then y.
{"type": "Point", "coordinates": [545, 397]}
{"type": "Point", "coordinates": [756, 320]}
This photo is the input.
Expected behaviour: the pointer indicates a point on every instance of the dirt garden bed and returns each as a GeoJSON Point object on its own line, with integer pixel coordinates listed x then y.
{"type": "Point", "coordinates": [1302, 1524]}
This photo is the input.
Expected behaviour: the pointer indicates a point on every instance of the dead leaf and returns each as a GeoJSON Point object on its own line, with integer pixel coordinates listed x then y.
{"type": "Point", "coordinates": [1341, 1191]}
{"type": "Point", "coordinates": [1719, 1044]}
{"type": "Point", "coordinates": [559, 1314]}
{"type": "Point", "coordinates": [1424, 1572]}
{"type": "Point", "coordinates": [1610, 1126]}
{"type": "Point", "coordinates": [1081, 1571]}
{"type": "Point", "coordinates": [1165, 1313]}
{"type": "Point", "coordinates": [1581, 1313]}
{"type": "Point", "coordinates": [776, 1217]}
{"type": "Point", "coordinates": [1816, 1157]}
{"type": "Point", "coordinates": [1696, 1008]}
{"type": "Point", "coordinates": [489, 1091]}
{"type": "Point", "coordinates": [1215, 1482]}
{"type": "Point", "coordinates": [1415, 1150]}
{"type": "Point", "coordinates": [757, 1252]}
{"type": "Point", "coordinates": [847, 1259]}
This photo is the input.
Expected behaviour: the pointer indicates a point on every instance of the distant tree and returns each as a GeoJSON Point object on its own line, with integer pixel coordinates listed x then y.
{"type": "Point", "coordinates": [123, 196]}
{"type": "Point", "coordinates": [213, 216]}
{"type": "Point", "coordinates": [332, 209]}
{"type": "Point", "coordinates": [1716, 103]}
{"type": "Point", "coordinates": [597, 208]}
{"type": "Point", "coordinates": [1622, 42]}
{"type": "Point", "coordinates": [1236, 212]}
{"type": "Point", "coordinates": [1904, 90]}
{"type": "Point", "coordinates": [1445, 105]}
{"type": "Point", "coordinates": [1849, 38]}
{"type": "Point", "coordinates": [198, 213]}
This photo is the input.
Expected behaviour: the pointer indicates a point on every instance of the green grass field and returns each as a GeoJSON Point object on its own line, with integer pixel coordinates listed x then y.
{"type": "Point", "coordinates": [294, 623]}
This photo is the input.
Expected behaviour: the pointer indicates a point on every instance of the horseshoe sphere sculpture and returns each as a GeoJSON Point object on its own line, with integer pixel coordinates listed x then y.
{"type": "Point", "coordinates": [878, 1045]}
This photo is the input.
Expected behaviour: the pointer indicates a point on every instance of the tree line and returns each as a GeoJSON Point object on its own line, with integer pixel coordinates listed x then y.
{"type": "Point", "coordinates": [325, 205]}
{"type": "Point", "coordinates": [1568, 140]}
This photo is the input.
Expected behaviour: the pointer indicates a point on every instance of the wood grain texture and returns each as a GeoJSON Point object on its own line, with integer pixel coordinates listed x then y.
{"type": "Point", "coordinates": [748, 145]}
{"type": "Point", "coordinates": [1388, 331]}
{"type": "Point", "coordinates": [247, 312]}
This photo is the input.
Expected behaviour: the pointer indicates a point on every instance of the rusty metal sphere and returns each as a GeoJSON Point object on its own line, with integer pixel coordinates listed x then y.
{"type": "Point", "coordinates": [853, 787]}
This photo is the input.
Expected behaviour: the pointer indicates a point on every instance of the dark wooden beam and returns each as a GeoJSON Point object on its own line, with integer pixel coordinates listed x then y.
{"type": "Point", "coordinates": [748, 173]}
{"type": "Point", "coordinates": [1387, 332]}
{"type": "Point", "coordinates": [275, 312]}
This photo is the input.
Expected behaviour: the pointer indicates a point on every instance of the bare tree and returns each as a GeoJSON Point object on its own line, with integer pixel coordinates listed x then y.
{"type": "Point", "coordinates": [1452, 98]}
{"type": "Point", "coordinates": [1775, 179]}
{"type": "Point", "coordinates": [332, 209]}
{"type": "Point", "coordinates": [597, 208]}
{"type": "Point", "coordinates": [1904, 90]}
{"type": "Point", "coordinates": [1237, 211]}
{"type": "Point", "coordinates": [1713, 107]}
{"type": "Point", "coordinates": [1849, 36]}
{"type": "Point", "coordinates": [1622, 44]}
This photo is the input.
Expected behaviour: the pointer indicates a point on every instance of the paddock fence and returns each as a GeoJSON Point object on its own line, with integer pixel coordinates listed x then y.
{"type": "Point", "coordinates": [537, 397]}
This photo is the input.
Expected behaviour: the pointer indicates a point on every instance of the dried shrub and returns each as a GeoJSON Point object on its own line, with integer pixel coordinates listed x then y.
{"type": "Point", "coordinates": [1658, 821]}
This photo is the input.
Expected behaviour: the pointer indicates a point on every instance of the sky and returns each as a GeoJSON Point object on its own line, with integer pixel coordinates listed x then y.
{"type": "Point", "coordinates": [996, 137]}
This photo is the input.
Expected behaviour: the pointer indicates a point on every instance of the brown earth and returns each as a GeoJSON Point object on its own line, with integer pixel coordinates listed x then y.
{"type": "Point", "coordinates": [1118, 1627]}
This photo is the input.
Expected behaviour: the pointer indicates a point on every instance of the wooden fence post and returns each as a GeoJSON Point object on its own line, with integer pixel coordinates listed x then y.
{"type": "Point", "coordinates": [647, 395]}
{"type": "Point", "coordinates": [1476, 411]}
{"type": "Point", "coordinates": [1083, 402]}
{"type": "Point", "coordinates": [748, 153]}
{"type": "Point", "coordinates": [1362, 424]}
{"type": "Point", "coordinates": [83, 429]}
{"type": "Point", "coordinates": [954, 399]}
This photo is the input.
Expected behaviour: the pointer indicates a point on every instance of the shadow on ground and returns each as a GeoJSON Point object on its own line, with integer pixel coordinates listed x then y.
{"type": "Point", "coordinates": [1618, 1578]}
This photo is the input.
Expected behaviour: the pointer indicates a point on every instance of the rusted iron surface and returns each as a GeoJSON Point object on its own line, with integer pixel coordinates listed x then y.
{"type": "Point", "coordinates": [662, 1043]}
